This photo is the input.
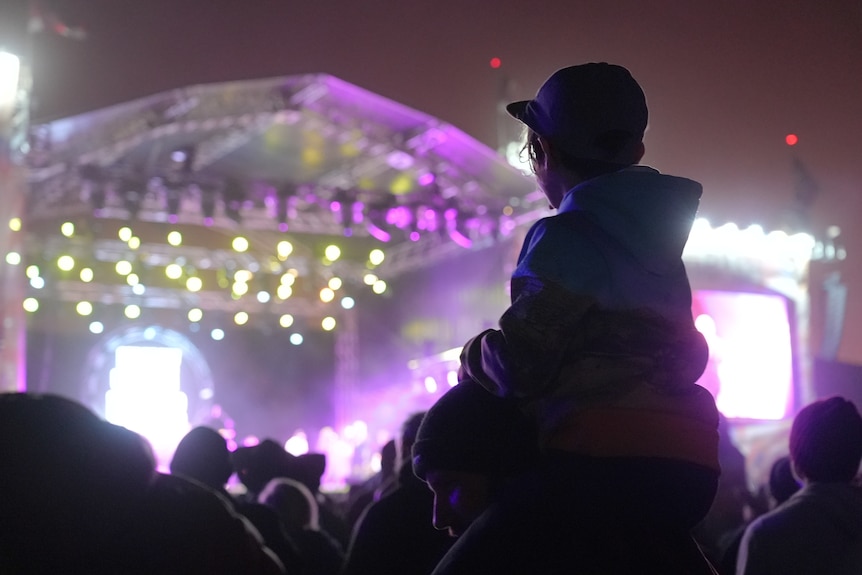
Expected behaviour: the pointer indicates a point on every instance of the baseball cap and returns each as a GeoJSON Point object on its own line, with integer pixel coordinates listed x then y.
{"type": "Point", "coordinates": [577, 105]}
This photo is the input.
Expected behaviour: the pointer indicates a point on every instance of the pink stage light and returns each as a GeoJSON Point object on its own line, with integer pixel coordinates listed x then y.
{"type": "Point", "coordinates": [750, 368]}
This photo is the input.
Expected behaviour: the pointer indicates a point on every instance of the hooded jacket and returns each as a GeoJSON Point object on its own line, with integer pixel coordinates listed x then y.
{"type": "Point", "coordinates": [599, 340]}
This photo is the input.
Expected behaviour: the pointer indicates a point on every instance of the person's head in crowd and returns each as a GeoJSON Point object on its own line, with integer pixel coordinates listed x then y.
{"type": "Point", "coordinates": [469, 445]}
{"type": "Point", "coordinates": [388, 458]}
{"type": "Point", "coordinates": [585, 121]}
{"type": "Point", "coordinates": [203, 455]}
{"type": "Point", "coordinates": [409, 429]}
{"type": "Point", "coordinates": [256, 465]}
{"type": "Point", "coordinates": [293, 502]}
{"type": "Point", "coordinates": [826, 441]}
{"type": "Point", "coordinates": [782, 482]}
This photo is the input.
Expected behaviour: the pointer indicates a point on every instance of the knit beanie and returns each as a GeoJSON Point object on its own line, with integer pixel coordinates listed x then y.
{"type": "Point", "coordinates": [469, 429]}
{"type": "Point", "coordinates": [826, 440]}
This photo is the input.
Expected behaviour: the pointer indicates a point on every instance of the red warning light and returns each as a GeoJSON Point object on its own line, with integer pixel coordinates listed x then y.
{"type": "Point", "coordinates": [791, 139]}
{"type": "Point", "coordinates": [496, 63]}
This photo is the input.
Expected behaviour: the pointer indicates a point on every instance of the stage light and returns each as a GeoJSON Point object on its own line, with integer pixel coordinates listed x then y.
{"type": "Point", "coordinates": [32, 272]}
{"type": "Point", "coordinates": [263, 296]}
{"type": "Point", "coordinates": [326, 295]}
{"type": "Point", "coordinates": [139, 289]}
{"type": "Point", "coordinates": [123, 267]}
{"type": "Point", "coordinates": [133, 279]}
{"type": "Point", "coordinates": [369, 279]}
{"type": "Point", "coordinates": [284, 291]}
{"type": "Point", "coordinates": [240, 318]}
{"type": "Point", "coordinates": [328, 323]}
{"type": "Point", "coordinates": [495, 63]}
{"type": "Point", "coordinates": [86, 275]}
{"type": "Point", "coordinates": [14, 258]}
{"type": "Point", "coordinates": [296, 338]}
{"type": "Point", "coordinates": [37, 282]}
{"type": "Point", "coordinates": [239, 288]}
{"type": "Point", "coordinates": [347, 302]}
{"type": "Point", "coordinates": [430, 384]}
{"type": "Point", "coordinates": [125, 234]}
{"type": "Point", "coordinates": [288, 279]}
{"type": "Point", "coordinates": [174, 271]}
{"type": "Point", "coordinates": [284, 248]}
{"type": "Point", "coordinates": [452, 378]}
{"type": "Point", "coordinates": [376, 257]}
{"type": "Point", "coordinates": [217, 334]}
{"type": "Point", "coordinates": [239, 244]}
{"type": "Point", "coordinates": [379, 287]}
{"type": "Point", "coordinates": [297, 444]}
{"type": "Point", "coordinates": [175, 238]}
{"type": "Point", "coordinates": [67, 229]}
{"type": "Point", "coordinates": [132, 311]}
{"type": "Point", "coordinates": [791, 139]}
{"type": "Point", "coordinates": [31, 304]}
{"type": "Point", "coordinates": [84, 308]}
{"type": "Point", "coordinates": [15, 224]}
{"type": "Point", "coordinates": [96, 327]}
{"type": "Point", "coordinates": [455, 228]}
{"type": "Point", "coordinates": [195, 315]}
{"type": "Point", "coordinates": [65, 263]}
{"type": "Point", "coordinates": [134, 242]}
{"type": "Point", "coordinates": [194, 284]}
{"type": "Point", "coordinates": [10, 69]}
{"type": "Point", "coordinates": [335, 283]}
{"type": "Point", "coordinates": [286, 320]}
{"type": "Point", "coordinates": [332, 252]}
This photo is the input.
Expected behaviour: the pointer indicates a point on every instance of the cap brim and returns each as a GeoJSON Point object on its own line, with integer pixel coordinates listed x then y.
{"type": "Point", "coordinates": [518, 109]}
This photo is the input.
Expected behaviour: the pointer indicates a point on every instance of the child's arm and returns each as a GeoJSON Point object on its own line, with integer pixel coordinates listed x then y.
{"type": "Point", "coordinates": [523, 358]}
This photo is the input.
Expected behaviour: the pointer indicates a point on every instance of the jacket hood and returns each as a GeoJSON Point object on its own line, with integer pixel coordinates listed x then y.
{"type": "Point", "coordinates": [630, 203]}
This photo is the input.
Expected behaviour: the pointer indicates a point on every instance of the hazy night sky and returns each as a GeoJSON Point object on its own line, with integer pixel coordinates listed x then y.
{"type": "Point", "coordinates": [726, 81]}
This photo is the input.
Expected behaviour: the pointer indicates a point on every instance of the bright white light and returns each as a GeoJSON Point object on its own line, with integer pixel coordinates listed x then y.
{"type": "Point", "coordinates": [296, 338]}
{"type": "Point", "coordinates": [31, 304]}
{"type": "Point", "coordinates": [347, 302]}
{"type": "Point", "coordinates": [369, 279]}
{"type": "Point", "coordinates": [133, 279]}
{"type": "Point", "coordinates": [288, 279]}
{"type": "Point", "coordinates": [328, 323]}
{"type": "Point", "coordinates": [332, 252]}
{"type": "Point", "coordinates": [10, 68]}
{"type": "Point", "coordinates": [263, 296]}
{"type": "Point", "coordinates": [284, 292]}
{"type": "Point", "coordinates": [174, 271]}
{"type": "Point", "coordinates": [286, 320]}
{"type": "Point", "coordinates": [335, 283]}
{"type": "Point", "coordinates": [239, 288]}
{"type": "Point", "coordinates": [284, 249]}
{"type": "Point", "coordinates": [96, 327]}
{"type": "Point", "coordinates": [452, 378]}
{"type": "Point", "coordinates": [194, 284]}
{"type": "Point", "coordinates": [240, 318]}
{"type": "Point", "coordinates": [132, 311]}
{"type": "Point", "coordinates": [376, 257]}
{"type": "Point", "coordinates": [84, 308]}
{"type": "Point", "coordinates": [217, 334]}
{"type": "Point", "coordinates": [123, 267]}
{"type": "Point", "coordinates": [430, 384]}
{"type": "Point", "coordinates": [326, 295]}
{"type": "Point", "coordinates": [67, 229]}
{"type": "Point", "coordinates": [37, 282]}
{"type": "Point", "coordinates": [379, 287]}
{"type": "Point", "coordinates": [243, 276]}
{"type": "Point", "coordinates": [66, 263]}
{"type": "Point", "coordinates": [134, 242]}
{"type": "Point", "coordinates": [139, 289]}
{"type": "Point", "coordinates": [297, 444]}
{"type": "Point", "coordinates": [15, 224]}
{"type": "Point", "coordinates": [145, 396]}
{"type": "Point", "coordinates": [86, 275]}
{"type": "Point", "coordinates": [239, 244]}
{"type": "Point", "coordinates": [175, 238]}
{"type": "Point", "coordinates": [13, 258]}
{"type": "Point", "coordinates": [125, 234]}
{"type": "Point", "coordinates": [195, 315]}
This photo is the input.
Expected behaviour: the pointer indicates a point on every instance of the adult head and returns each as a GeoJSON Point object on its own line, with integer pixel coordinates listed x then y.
{"type": "Point", "coordinates": [469, 444]}
{"type": "Point", "coordinates": [585, 121]}
{"type": "Point", "coordinates": [203, 455]}
{"type": "Point", "coordinates": [293, 502]}
{"type": "Point", "coordinates": [826, 441]}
